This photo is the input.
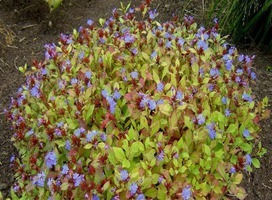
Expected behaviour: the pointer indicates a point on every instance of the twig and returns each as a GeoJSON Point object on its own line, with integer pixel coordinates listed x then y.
{"type": "Point", "coordinates": [2, 71]}
{"type": "Point", "coordinates": [4, 62]}
{"type": "Point", "coordinates": [267, 186]}
{"type": "Point", "coordinates": [28, 26]}
{"type": "Point", "coordinates": [15, 64]}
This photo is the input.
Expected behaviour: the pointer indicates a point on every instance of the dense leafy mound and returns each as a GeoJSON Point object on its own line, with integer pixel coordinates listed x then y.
{"type": "Point", "coordinates": [136, 109]}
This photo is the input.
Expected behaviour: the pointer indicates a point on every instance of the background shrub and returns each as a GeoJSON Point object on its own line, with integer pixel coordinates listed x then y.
{"type": "Point", "coordinates": [136, 109]}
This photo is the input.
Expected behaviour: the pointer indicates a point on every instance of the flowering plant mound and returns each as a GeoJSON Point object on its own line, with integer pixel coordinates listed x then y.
{"type": "Point", "coordinates": [136, 109]}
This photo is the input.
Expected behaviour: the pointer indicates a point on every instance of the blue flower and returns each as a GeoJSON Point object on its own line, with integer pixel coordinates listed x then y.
{"type": "Point", "coordinates": [212, 132]}
{"type": "Point", "coordinates": [202, 45]}
{"type": "Point", "coordinates": [39, 179]}
{"type": "Point", "coordinates": [179, 96]}
{"type": "Point", "coordinates": [61, 85]}
{"type": "Point", "coordinates": [237, 79]}
{"type": "Point", "coordinates": [227, 112]}
{"type": "Point", "coordinates": [180, 41]}
{"type": "Point", "coordinates": [160, 86]}
{"type": "Point", "coordinates": [65, 169]}
{"type": "Point", "coordinates": [228, 65]}
{"type": "Point", "coordinates": [248, 160]}
{"type": "Point", "coordinates": [50, 182]}
{"type": "Point", "coordinates": [186, 193]}
{"type": "Point", "coordinates": [105, 93]}
{"type": "Point", "coordinates": [90, 136]}
{"type": "Point", "coordinates": [253, 75]}
{"type": "Point", "coordinates": [116, 95]}
{"type": "Point", "coordinates": [77, 179]}
{"type": "Point", "coordinates": [211, 87]}
{"type": "Point", "coordinates": [247, 97]}
{"type": "Point", "coordinates": [153, 55]}
{"type": "Point", "coordinates": [200, 119]}
{"type": "Point", "coordinates": [246, 133]}
{"type": "Point", "coordinates": [90, 22]}
{"type": "Point", "coordinates": [77, 132]}
{"type": "Point", "coordinates": [140, 197]}
{"type": "Point", "coordinates": [224, 100]}
{"type": "Point", "coordinates": [50, 159]}
{"type": "Point", "coordinates": [88, 74]}
{"type": "Point", "coordinates": [152, 14]}
{"type": "Point", "coordinates": [112, 106]}
{"type": "Point", "coordinates": [134, 51]}
{"type": "Point", "coordinates": [239, 71]}
{"type": "Point", "coordinates": [123, 175]}
{"type": "Point", "coordinates": [144, 102]}
{"type": "Point", "coordinates": [44, 71]}
{"type": "Point", "coordinates": [160, 179]}
{"type": "Point", "coordinates": [214, 72]}
{"type": "Point", "coordinates": [134, 75]}
{"type": "Point", "coordinates": [159, 102]}
{"type": "Point", "coordinates": [103, 137]}
{"type": "Point", "coordinates": [68, 145]}
{"type": "Point", "coordinates": [95, 197]}
{"type": "Point", "coordinates": [128, 38]}
{"type": "Point", "coordinates": [152, 104]}
{"type": "Point", "coordinates": [160, 157]}
{"type": "Point", "coordinates": [12, 159]}
{"type": "Point", "coordinates": [232, 170]}
{"type": "Point", "coordinates": [35, 91]}
{"type": "Point", "coordinates": [168, 45]}
{"type": "Point", "coordinates": [74, 81]}
{"type": "Point", "coordinates": [226, 57]}
{"type": "Point", "coordinates": [241, 58]}
{"type": "Point", "coordinates": [133, 188]}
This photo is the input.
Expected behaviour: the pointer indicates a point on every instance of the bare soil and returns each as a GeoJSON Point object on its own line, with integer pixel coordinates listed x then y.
{"type": "Point", "coordinates": [26, 25]}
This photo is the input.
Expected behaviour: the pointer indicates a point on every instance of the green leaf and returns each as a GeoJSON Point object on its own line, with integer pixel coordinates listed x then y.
{"type": "Point", "coordinates": [134, 150]}
{"type": "Point", "coordinates": [238, 178]}
{"type": "Point", "coordinates": [241, 194]}
{"type": "Point", "coordinates": [162, 191]}
{"type": "Point", "coordinates": [119, 154]}
{"type": "Point", "coordinates": [132, 134]}
{"type": "Point", "coordinates": [126, 164]}
{"type": "Point", "coordinates": [156, 78]}
{"type": "Point", "coordinates": [151, 192]}
{"type": "Point", "coordinates": [149, 155]}
{"type": "Point", "coordinates": [232, 128]}
{"type": "Point", "coordinates": [256, 163]}
{"type": "Point", "coordinates": [64, 186]}
{"type": "Point", "coordinates": [88, 112]}
{"type": "Point", "coordinates": [72, 123]}
{"type": "Point", "coordinates": [88, 146]}
{"type": "Point", "coordinates": [188, 122]}
{"type": "Point", "coordinates": [207, 150]}
{"type": "Point", "coordinates": [143, 122]}
{"type": "Point", "coordinates": [155, 126]}
{"type": "Point", "coordinates": [246, 147]}
{"type": "Point", "coordinates": [166, 109]}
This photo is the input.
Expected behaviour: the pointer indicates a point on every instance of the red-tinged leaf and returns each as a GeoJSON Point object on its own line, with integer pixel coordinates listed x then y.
{"type": "Point", "coordinates": [129, 96]}
{"type": "Point", "coordinates": [142, 82]}
{"type": "Point", "coordinates": [149, 76]}
{"type": "Point", "coordinates": [82, 123]}
{"type": "Point", "coordinates": [256, 119]}
{"type": "Point", "coordinates": [73, 152]}
{"type": "Point", "coordinates": [91, 170]}
{"type": "Point", "coordinates": [104, 123]}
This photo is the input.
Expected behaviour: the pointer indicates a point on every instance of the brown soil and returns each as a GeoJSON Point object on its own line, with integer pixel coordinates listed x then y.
{"type": "Point", "coordinates": [26, 25]}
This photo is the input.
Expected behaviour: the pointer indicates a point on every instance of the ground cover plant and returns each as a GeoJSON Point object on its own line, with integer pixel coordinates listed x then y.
{"type": "Point", "coordinates": [136, 109]}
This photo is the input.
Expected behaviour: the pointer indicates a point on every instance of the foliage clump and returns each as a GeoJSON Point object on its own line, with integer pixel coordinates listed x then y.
{"type": "Point", "coordinates": [136, 109]}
